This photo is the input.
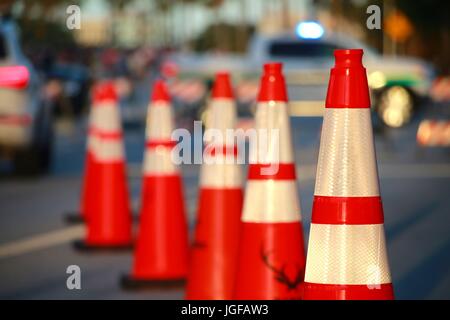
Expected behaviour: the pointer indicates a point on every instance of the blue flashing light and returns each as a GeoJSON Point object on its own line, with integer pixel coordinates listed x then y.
{"type": "Point", "coordinates": [309, 30]}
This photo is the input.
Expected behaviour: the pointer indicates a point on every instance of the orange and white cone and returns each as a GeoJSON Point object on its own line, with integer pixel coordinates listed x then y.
{"type": "Point", "coordinates": [214, 251]}
{"type": "Point", "coordinates": [161, 252]}
{"type": "Point", "coordinates": [109, 215]}
{"type": "Point", "coordinates": [271, 260]}
{"type": "Point", "coordinates": [347, 256]}
{"type": "Point", "coordinates": [87, 190]}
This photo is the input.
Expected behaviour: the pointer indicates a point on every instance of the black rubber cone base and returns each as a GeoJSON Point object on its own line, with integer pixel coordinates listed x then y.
{"type": "Point", "coordinates": [82, 246]}
{"type": "Point", "coordinates": [128, 282]}
{"type": "Point", "coordinates": [73, 218]}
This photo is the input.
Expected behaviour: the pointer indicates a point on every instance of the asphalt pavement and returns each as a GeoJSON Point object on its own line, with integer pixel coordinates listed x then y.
{"type": "Point", "coordinates": [36, 243]}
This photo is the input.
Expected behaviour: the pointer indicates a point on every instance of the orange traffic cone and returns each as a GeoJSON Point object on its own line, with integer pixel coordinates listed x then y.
{"type": "Point", "coordinates": [161, 253]}
{"type": "Point", "coordinates": [347, 253]}
{"type": "Point", "coordinates": [109, 222]}
{"type": "Point", "coordinates": [271, 260]}
{"type": "Point", "coordinates": [214, 251]}
{"type": "Point", "coordinates": [87, 192]}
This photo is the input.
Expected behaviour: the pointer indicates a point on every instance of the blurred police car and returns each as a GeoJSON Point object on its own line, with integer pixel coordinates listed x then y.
{"type": "Point", "coordinates": [396, 83]}
{"type": "Point", "coordinates": [25, 120]}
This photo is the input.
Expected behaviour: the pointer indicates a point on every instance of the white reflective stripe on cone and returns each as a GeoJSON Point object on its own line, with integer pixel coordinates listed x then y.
{"type": "Point", "coordinates": [92, 142]}
{"type": "Point", "coordinates": [347, 254]}
{"type": "Point", "coordinates": [271, 201]}
{"type": "Point", "coordinates": [159, 121]}
{"type": "Point", "coordinates": [90, 118]}
{"type": "Point", "coordinates": [106, 118]}
{"type": "Point", "coordinates": [347, 165]}
{"type": "Point", "coordinates": [220, 172]}
{"type": "Point", "coordinates": [158, 161]}
{"type": "Point", "coordinates": [272, 118]}
{"type": "Point", "coordinates": [109, 150]}
{"type": "Point", "coordinates": [221, 115]}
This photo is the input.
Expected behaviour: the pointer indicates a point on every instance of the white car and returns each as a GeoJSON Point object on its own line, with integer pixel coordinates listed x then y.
{"type": "Point", "coordinates": [25, 118]}
{"type": "Point", "coordinates": [395, 82]}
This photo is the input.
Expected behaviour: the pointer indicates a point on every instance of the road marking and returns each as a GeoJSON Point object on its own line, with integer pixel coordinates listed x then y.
{"type": "Point", "coordinates": [40, 241]}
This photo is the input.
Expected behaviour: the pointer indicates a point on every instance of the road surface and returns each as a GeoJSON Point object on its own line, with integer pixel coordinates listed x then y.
{"type": "Point", "coordinates": [35, 243]}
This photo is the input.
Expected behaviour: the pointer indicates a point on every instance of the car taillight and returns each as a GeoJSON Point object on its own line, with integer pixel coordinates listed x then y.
{"type": "Point", "coordinates": [16, 120]}
{"type": "Point", "coordinates": [188, 91]}
{"type": "Point", "coordinates": [15, 77]}
{"type": "Point", "coordinates": [169, 69]}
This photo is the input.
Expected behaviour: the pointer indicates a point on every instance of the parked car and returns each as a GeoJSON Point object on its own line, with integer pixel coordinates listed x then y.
{"type": "Point", "coordinates": [26, 130]}
{"type": "Point", "coordinates": [396, 83]}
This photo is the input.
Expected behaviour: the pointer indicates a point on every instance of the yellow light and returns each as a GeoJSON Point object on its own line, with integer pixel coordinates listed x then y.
{"type": "Point", "coordinates": [396, 107]}
{"type": "Point", "coordinates": [393, 117]}
{"type": "Point", "coordinates": [376, 80]}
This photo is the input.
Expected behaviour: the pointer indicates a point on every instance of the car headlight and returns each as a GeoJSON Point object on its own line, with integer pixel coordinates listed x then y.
{"type": "Point", "coordinates": [396, 107]}
{"type": "Point", "coordinates": [376, 80]}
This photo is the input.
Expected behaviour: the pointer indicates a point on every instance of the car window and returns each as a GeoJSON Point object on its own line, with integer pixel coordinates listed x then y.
{"type": "Point", "coordinates": [291, 49]}
{"type": "Point", "coordinates": [2, 47]}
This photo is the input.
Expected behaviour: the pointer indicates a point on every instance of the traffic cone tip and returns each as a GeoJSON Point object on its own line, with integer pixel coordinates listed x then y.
{"type": "Point", "coordinates": [104, 91]}
{"type": "Point", "coordinates": [348, 57]}
{"type": "Point", "coordinates": [273, 68]}
{"type": "Point", "coordinates": [272, 86]}
{"type": "Point", "coordinates": [348, 86]}
{"type": "Point", "coordinates": [348, 52]}
{"type": "Point", "coordinates": [222, 86]}
{"type": "Point", "coordinates": [160, 92]}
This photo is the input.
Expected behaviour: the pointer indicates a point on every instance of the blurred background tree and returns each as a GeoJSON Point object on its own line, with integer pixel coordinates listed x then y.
{"type": "Point", "coordinates": [40, 21]}
{"type": "Point", "coordinates": [429, 19]}
{"type": "Point", "coordinates": [173, 22]}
